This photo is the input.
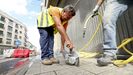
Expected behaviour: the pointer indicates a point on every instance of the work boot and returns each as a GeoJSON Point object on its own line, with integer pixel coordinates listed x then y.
{"type": "Point", "coordinates": [54, 60]}
{"type": "Point", "coordinates": [47, 62]}
{"type": "Point", "coordinates": [105, 60]}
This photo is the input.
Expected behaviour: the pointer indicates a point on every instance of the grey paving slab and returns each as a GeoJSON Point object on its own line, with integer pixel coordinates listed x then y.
{"type": "Point", "coordinates": [87, 67]}
{"type": "Point", "coordinates": [34, 69]}
{"type": "Point", "coordinates": [127, 70]}
{"type": "Point", "coordinates": [92, 66]}
{"type": "Point", "coordinates": [73, 71]}
{"type": "Point", "coordinates": [47, 73]}
{"type": "Point", "coordinates": [54, 67]}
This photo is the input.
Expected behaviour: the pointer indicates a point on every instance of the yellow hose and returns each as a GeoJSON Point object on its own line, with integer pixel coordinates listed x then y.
{"type": "Point", "coordinates": [127, 41]}
{"type": "Point", "coordinates": [98, 27]}
{"type": "Point", "coordinates": [90, 54]}
{"type": "Point", "coordinates": [120, 63]}
{"type": "Point", "coordinates": [124, 42]}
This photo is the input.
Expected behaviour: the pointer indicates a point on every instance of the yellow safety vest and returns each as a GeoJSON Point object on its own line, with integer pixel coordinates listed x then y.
{"type": "Point", "coordinates": [45, 20]}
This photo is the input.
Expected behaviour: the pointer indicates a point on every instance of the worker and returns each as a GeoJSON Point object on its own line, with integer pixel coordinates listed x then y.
{"type": "Point", "coordinates": [50, 21]}
{"type": "Point", "coordinates": [113, 9]}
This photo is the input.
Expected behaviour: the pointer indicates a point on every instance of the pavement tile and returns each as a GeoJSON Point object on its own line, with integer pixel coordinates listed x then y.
{"type": "Point", "coordinates": [48, 73]}
{"type": "Point", "coordinates": [87, 67]}
{"type": "Point", "coordinates": [92, 67]}
{"type": "Point", "coordinates": [34, 69]}
{"type": "Point", "coordinates": [127, 70]}
{"type": "Point", "coordinates": [73, 71]}
{"type": "Point", "coordinates": [54, 67]}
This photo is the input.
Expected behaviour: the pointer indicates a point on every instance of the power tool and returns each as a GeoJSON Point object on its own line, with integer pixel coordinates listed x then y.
{"type": "Point", "coordinates": [71, 57]}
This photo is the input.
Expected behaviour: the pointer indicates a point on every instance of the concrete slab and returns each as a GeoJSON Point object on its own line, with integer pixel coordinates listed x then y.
{"type": "Point", "coordinates": [87, 67]}
{"type": "Point", "coordinates": [48, 73]}
{"type": "Point", "coordinates": [73, 71]}
{"type": "Point", "coordinates": [35, 68]}
{"type": "Point", "coordinates": [127, 70]}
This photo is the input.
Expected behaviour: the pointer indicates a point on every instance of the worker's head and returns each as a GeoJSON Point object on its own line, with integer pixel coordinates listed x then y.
{"type": "Point", "coordinates": [68, 12]}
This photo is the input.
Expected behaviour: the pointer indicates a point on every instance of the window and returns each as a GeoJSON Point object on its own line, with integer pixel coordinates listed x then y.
{"type": "Point", "coordinates": [1, 33]}
{"type": "Point", "coordinates": [25, 44]}
{"type": "Point", "coordinates": [10, 28]}
{"type": "Point", "coordinates": [1, 25]}
{"type": "Point", "coordinates": [10, 22]}
{"type": "Point", "coordinates": [16, 37]}
{"type": "Point", "coordinates": [16, 25]}
{"type": "Point", "coordinates": [1, 40]}
{"type": "Point", "coordinates": [20, 37]}
{"type": "Point", "coordinates": [16, 31]}
{"type": "Point", "coordinates": [2, 18]}
{"type": "Point", "coordinates": [9, 35]}
{"type": "Point", "coordinates": [21, 27]}
{"type": "Point", "coordinates": [8, 41]}
{"type": "Point", "coordinates": [20, 32]}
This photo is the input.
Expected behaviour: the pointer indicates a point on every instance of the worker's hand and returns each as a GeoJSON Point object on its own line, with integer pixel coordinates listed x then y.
{"type": "Point", "coordinates": [95, 10]}
{"type": "Point", "coordinates": [69, 45]}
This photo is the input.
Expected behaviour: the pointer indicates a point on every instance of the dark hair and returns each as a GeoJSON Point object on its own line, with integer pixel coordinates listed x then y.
{"type": "Point", "coordinates": [70, 9]}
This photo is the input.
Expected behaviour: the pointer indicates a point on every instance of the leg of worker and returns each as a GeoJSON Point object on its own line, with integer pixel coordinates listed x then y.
{"type": "Point", "coordinates": [44, 43]}
{"type": "Point", "coordinates": [112, 11]}
{"type": "Point", "coordinates": [111, 14]}
{"type": "Point", "coordinates": [51, 45]}
{"type": "Point", "coordinates": [51, 42]}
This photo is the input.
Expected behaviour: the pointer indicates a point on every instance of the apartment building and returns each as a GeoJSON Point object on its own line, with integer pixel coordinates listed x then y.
{"type": "Point", "coordinates": [12, 32]}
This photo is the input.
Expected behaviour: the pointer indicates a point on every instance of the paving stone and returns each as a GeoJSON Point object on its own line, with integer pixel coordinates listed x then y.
{"type": "Point", "coordinates": [48, 73]}
{"type": "Point", "coordinates": [94, 68]}
{"type": "Point", "coordinates": [127, 70]}
{"type": "Point", "coordinates": [34, 69]}
{"type": "Point", "coordinates": [87, 67]}
{"type": "Point", "coordinates": [73, 71]}
{"type": "Point", "coordinates": [54, 67]}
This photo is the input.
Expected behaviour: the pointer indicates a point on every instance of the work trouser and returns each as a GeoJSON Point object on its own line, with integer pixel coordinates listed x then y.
{"type": "Point", "coordinates": [113, 10]}
{"type": "Point", "coordinates": [46, 42]}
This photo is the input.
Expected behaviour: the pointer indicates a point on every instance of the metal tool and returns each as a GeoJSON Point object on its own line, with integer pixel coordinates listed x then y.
{"type": "Point", "coordinates": [71, 57]}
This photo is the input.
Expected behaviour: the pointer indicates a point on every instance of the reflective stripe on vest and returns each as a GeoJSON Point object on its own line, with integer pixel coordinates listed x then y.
{"type": "Point", "coordinates": [45, 20]}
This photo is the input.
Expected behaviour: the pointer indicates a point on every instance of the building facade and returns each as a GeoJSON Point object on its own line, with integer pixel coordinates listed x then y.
{"type": "Point", "coordinates": [13, 33]}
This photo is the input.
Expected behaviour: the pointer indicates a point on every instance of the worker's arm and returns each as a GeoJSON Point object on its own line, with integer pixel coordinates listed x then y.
{"type": "Point", "coordinates": [62, 31]}
{"type": "Point", "coordinates": [99, 3]}
{"type": "Point", "coordinates": [62, 39]}
{"type": "Point", "coordinates": [55, 13]}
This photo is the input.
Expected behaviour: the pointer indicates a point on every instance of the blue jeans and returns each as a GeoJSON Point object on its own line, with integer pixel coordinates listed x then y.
{"type": "Point", "coordinates": [113, 10]}
{"type": "Point", "coordinates": [46, 42]}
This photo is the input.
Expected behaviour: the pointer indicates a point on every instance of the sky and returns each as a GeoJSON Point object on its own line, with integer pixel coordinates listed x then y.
{"type": "Point", "coordinates": [26, 12]}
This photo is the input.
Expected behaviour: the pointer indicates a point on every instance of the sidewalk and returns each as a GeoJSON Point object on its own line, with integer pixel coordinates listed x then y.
{"type": "Point", "coordinates": [87, 67]}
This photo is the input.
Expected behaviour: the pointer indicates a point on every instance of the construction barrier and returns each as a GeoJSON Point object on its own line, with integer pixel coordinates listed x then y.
{"type": "Point", "coordinates": [21, 53]}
